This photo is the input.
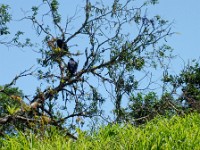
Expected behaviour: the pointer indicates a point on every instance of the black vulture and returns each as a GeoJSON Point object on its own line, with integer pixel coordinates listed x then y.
{"type": "Point", "coordinates": [61, 44]}
{"type": "Point", "coordinates": [72, 66]}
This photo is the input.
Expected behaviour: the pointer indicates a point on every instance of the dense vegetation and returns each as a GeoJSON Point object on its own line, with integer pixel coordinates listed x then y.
{"type": "Point", "coordinates": [160, 133]}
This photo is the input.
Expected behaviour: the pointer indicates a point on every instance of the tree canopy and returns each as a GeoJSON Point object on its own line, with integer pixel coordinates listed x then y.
{"type": "Point", "coordinates": [104, 54]}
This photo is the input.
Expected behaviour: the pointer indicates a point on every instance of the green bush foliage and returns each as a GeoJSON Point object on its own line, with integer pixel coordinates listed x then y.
{"type": "Point", "coordinates": [160, 133]}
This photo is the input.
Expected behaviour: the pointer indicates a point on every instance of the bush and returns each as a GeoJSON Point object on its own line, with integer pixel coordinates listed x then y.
{"type": "Point", "coordinates": [160, 133]}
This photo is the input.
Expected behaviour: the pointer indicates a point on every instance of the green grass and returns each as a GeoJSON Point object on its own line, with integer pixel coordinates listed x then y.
{"type": "Point", "coordinates": [159, 134]}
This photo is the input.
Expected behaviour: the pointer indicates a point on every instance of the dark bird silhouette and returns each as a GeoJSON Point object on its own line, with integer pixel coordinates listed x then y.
{"type": "Point", "coordinates": [61, 44]}
{"type": "Point", "coordinates": [72, 66]}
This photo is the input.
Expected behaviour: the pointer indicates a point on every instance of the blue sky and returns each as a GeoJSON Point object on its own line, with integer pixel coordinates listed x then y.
{"type": "Point", "coordinates": [184, 14]}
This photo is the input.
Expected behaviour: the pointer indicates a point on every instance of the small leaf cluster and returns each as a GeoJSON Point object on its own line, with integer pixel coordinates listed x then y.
{"type": "Point", "coordinates": [5, 18]}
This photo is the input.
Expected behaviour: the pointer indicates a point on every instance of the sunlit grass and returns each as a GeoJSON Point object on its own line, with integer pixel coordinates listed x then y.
{"type": "Point", "coordinates": [160, 133]}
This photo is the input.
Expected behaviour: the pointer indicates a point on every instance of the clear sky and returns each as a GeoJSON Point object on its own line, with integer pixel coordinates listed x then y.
{"type": "Point", "coordinates": [184, 14]}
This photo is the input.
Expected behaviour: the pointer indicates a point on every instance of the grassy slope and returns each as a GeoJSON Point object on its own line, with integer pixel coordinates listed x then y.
{"type": "Point", "coordinates": [161, 133]}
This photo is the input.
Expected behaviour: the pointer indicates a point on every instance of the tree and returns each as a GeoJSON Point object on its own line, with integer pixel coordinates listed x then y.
{"type": "Point", "coordinates": [120, 44]}
{"type": "Point", "coordinates": [185, 87]}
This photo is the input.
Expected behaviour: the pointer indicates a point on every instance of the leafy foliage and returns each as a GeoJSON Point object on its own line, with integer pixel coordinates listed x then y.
{"type": "Point", "coordinates": [159, 133]}
{"type": "Point", "coordinates": [5, 18]}
{"type": "Point", "coordinates": [10, 104]}
{"type": "Point", "coordinates": [188, 82]}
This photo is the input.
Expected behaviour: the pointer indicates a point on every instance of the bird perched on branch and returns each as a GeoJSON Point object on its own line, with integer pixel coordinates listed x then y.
{"type": "Point", "coordinates": [61, 44]}
{"type": "Point", "coordinates": [72, 66]}
{"type": "Point", "coordinates": [58, 49]}
{"type": "Point", "coordinates": [57, 45]}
